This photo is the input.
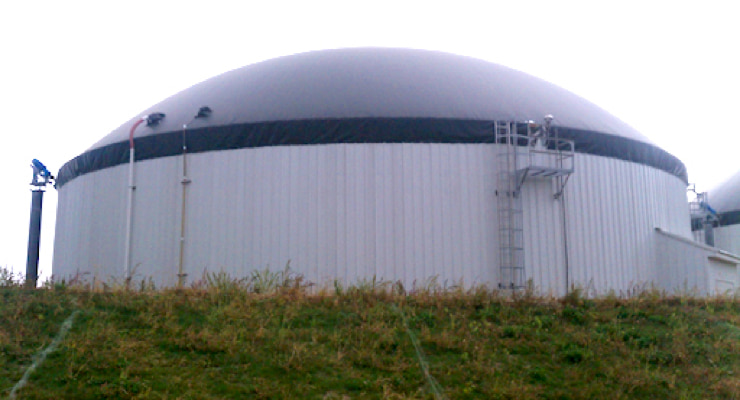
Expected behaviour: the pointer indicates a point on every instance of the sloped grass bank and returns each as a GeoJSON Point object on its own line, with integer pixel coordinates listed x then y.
{"type": "Point", "coordinates": [226, 341]}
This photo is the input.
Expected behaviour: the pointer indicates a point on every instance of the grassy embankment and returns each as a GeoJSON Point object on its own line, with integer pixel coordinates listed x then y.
{"type": "Point", "coordinates": [267, 337]}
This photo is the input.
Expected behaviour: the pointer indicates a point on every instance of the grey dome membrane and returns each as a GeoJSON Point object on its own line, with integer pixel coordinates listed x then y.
{"type": "Point", "coordinates": [368, 95]}
{"type": "Point", "coordinates": [725, 199]}
{"type": "Point", "coordinates": [379, 83]}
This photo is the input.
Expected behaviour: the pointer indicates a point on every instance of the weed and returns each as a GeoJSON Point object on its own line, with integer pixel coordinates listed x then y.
{"type": "Point", "coordinates": [9, 279]}
{"type": "Point", "coordinates": [267, 336]}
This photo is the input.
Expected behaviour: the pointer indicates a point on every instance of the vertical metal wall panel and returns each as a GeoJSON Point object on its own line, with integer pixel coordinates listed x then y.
{"type": "Point", "coordinates": [200, 191]}
{"type": "Point", "coordinates": [644, 220]}
{"type": "Point", "coordinates": [723, 277]}
{"type": "Point", "coordinates": [599, 248]}
{"type": "Point", "coordinates": [83, 201]}
{"type": "Point", "coordinates": [405, 212]}
{"type": "Point", "coordinates": [437, 252]}
{"type": "Point", "coordinates": [424, 211]}
{"type": "Point", "coordinates": [682, 265]}
{"type": "Point", "coordinates": [357, 160]}
{"type": "Point", "coordinates": [483, 215]}
{"type": "Point", "coordinates": [613, 184]}
{"type": "Point", "coordinates": [726, 238]}
{"type": "Point", "coordinates": [65, 215]}
{"type": "Point", "coordinates": [407, 267]}
{"type": "Point", "coordinates": [90, 229]}
{"type": "Point", "coordinates": [577, 235]}
{"type": "Point", "coordinates": [421, 231]}
{"type": "Point", "coordinates": [154, 244]}
{"type": "Point", "coordinates": [391, 213]}
{"type": "Point", "coordinates": [542, 234]}
{"type": "Point", "coordinates": [605, 262]}
{"type": "Point", "coordinates": [404, 225]}
{"type": "Point", "coordinates": [445, 227]}
{"type": "Point", "coordinates": [612, 207]}
{"type": "Point", "coordinates": [434, 232]}
{"type": "Point", "coordinates": [68, 230]}
{"type": "Point", "coordinates": [680, 208]}
{"type": "Point", "coordinates": [381, 183]}
{"type": "Point", "coordinates": [631, 236]}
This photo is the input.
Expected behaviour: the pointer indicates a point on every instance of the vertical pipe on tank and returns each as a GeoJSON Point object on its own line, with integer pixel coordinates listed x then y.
{"type": "Point", "coordinates": [34, 236]}
{"type": "Point", "coordinates": [566, 258]}
{"type": "Point", "coordinates": [184, 181]}
{"type": "Point", "coordinates": [129, 216]}
{"type": "Point", "coordinates": [130, 205]}
{"type": "Point", "coordinates": [203, 112]}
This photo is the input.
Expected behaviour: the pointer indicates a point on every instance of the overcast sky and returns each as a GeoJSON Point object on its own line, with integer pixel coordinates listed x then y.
{"type": "Point", "coordinates": [71, 72]}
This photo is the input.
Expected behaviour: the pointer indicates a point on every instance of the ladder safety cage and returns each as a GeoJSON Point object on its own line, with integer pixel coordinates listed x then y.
{"type": "Point", "coordinates": [525, 150]}
{"type": "Point", "coordinates": [548, 156]}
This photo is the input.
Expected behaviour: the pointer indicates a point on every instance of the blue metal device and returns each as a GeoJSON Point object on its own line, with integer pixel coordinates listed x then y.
{"type": "Point", "coordinates": [41, 178]}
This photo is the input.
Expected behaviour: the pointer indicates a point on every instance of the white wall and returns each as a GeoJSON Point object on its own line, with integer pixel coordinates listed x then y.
{"type": "Point", "coordinates": [351, 211]}
{"type": "Point", "coordinates": [723, 277]}
{"type": "Point", "coordinates": [682, 265]}
{"type": "Point", "coordinates": [728, 238]}
{"type": "Point", "coordinates": [685, 264]}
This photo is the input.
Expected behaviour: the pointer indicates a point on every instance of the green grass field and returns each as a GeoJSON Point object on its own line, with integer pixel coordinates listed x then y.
{"type": "Point", "coordinates": [273, 339]}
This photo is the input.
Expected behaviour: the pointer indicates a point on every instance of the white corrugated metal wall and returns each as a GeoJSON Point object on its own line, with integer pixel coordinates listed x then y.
{"type": "Point", "coordinates": [344, 211]}
{"type": "Point", "coordinates": [728, 238]}
{"type": "Point", "coordinates": [90, 227]}
{"type": "Point", "coordinates": [682, 265]}
{"type": "Point", "coordinates": [354, 211]}
{"type": "Point", "coordinates": [723, 277]}
{"type": "Point", "coordinates": [685, 264]}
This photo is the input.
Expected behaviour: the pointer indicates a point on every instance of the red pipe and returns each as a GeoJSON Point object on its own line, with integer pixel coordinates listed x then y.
{"type": "Point", "coordinates": [131, 134]}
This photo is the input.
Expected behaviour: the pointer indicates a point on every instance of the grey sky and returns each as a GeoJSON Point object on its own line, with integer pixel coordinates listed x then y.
{"type": "Point", "coordinates": [73, 71]}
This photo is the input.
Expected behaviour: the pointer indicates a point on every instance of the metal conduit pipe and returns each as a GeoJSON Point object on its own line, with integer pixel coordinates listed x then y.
{"type": "Point", "coordinates": [184, 181]}
{"type": "Point", "coordinates": [151, 120]}
{"type": "Point", "coordinates": [566, 258]}
{"type": "Point", "coordinates": [203, 112]}
{"type": "Point", "coordinates": [560, 196]}
{"type": "Point", "coordinates": [130, 204]}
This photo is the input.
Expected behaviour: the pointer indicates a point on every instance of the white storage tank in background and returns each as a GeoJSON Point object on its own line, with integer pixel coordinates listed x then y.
{"type": "Point", "coordinates": [361, 163]}
{"type": "Point", "coordinates": [725, 199]}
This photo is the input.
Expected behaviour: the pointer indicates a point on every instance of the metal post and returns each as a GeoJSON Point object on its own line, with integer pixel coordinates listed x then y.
{"type": "Point", "coordinates": [184, 181]}
{"type": "Point", "coordinates": [203, 112]}
{"type": "Point", "coordinates": [34, 236]}
{"type": "Point", "coordinates": [40, 178]}
{"type": "Point", "coordinates": [151, 120]}
{"type": "Point", "coordinates": [129, 218]}
{"type": "Point", "coordinates": [708, 231]}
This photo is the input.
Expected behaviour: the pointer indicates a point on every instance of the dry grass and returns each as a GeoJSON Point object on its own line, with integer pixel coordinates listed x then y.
{"type": "Point", "coordinates": [276, 337]}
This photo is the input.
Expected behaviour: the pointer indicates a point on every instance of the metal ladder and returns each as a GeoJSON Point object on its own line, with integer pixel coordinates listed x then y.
{"type": "Point", "coordinates": [510, 210]}
{"type": "Point", "coordinates": [526, 151]}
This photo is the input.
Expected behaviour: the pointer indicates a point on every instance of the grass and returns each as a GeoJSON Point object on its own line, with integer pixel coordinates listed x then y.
{"type": "Point", "coordinates": [271, 338]}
